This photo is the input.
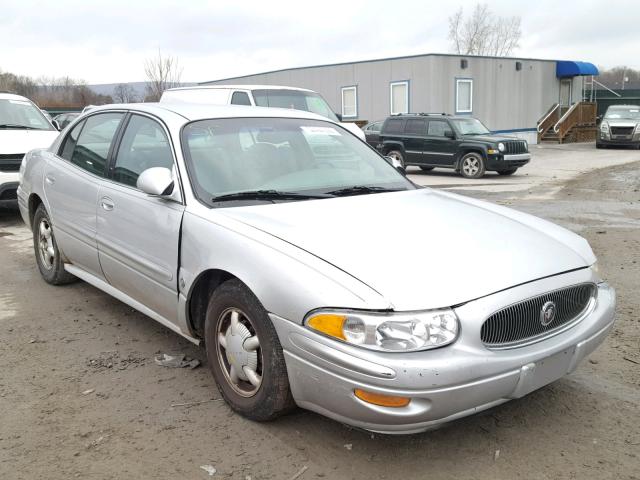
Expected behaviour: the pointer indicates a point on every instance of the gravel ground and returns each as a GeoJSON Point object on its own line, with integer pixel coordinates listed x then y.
{"type": "Point", "coordinates": [81, 396]}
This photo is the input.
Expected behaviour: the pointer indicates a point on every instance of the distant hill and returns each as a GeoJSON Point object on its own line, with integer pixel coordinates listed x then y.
{"type": "Point", "coordinates": [138, 87]}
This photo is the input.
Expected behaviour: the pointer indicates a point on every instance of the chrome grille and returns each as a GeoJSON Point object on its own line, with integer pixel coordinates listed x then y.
{"type": "Point", "coordinates": [521, 323]}
{"type": "Point", "coordinates": [10, 163]}
{"type": "Point", "coordinates": [515, 147]}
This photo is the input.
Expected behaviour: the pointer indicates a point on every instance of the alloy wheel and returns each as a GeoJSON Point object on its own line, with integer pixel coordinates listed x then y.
{"type": "Point", "coordinates": [470, 166]}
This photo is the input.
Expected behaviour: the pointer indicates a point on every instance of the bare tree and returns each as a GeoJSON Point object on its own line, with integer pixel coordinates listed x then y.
{"type": "Point", "coordinates": [124, 93]}
{"type": "Point", "coordinates": [162, 73]}
{"type": "Point", "coordinates": [483, 33]}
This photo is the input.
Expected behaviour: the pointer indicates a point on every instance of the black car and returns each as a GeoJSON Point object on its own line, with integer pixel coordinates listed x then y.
{"type": "Point", "coordinates": [444, 141]}
{"type": "Point", "coordinates": [372, 132]}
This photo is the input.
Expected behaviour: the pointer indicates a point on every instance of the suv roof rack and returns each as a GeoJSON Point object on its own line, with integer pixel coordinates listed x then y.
{"type": "Point", "coordinates": [422, 114]}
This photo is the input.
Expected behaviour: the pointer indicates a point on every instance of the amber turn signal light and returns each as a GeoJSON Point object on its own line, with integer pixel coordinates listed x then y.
{"type": "Point", "coordinates": [382, 400]}
{"type": "Point", "coordinates": [329, 324]}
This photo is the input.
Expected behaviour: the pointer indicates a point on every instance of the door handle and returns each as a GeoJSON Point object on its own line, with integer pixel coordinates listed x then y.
{"type": "Point", "coordinates": [107, 204]}
{"type": "Point", "coordinates": [50, 179]}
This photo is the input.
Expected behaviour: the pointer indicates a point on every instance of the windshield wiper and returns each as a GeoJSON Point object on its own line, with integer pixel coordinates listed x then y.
{"type": "Point", "coordinates": [362, 190]}
{"type": "Point", "coordinates": [265, 195]}
{"type": "Point", "coordinates": [15, 125]}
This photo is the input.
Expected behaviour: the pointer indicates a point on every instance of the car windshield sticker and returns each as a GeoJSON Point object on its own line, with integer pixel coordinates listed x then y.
{"type": "Point", "coordinates": [320, 131]}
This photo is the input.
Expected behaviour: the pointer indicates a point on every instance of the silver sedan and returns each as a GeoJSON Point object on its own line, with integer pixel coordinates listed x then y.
{"type": "Point", "coordinates": [314, 272]}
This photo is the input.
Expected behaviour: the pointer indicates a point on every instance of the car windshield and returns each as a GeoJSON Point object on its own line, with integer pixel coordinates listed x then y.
{"type": "Point", "coordinates": [626, 113]}
{"type": "Point", "coordinates": [469, 126]}
{"type": "Point", "coordinates": [295, 99]}
{"type": "Point", "coordinates": [235, 158]}
{"type": "Point", "coordinates": [22, 114]}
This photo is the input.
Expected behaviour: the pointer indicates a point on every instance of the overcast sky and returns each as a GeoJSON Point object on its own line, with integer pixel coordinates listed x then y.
{"type": "Point", "coordinates": [107, 41]}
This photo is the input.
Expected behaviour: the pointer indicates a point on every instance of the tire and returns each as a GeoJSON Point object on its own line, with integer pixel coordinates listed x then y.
{"type": "Point", "coordinates": [472, 165]}
{"type": "Point", "coordinates": [398, 155]}
{"type": "Point", "coordinates": [48, 256]}
{"type": "Point", "coordinates": [271, 397]}
{"type": "Point", "coordinates": [511, 171]}
{"type": "Point", "coordinates": [600, 145]}
{"type": "Point", "coordinates": [427, 169]}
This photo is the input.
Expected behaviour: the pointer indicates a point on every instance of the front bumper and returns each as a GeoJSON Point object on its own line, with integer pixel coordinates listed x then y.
{"type": "Point", "coordinates": [446, 383]}
{"type": "Point", "coordinates": [619, 140]}
{"type": "Point", "coordinates": [499, 162]}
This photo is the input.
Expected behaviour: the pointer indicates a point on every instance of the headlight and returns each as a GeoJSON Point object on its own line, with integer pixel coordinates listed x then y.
{"type": "Point", "coordinates": [637, 130]}
{"type": "Point", "coordinates": [388, 332]}
{"type": "Point", "coordinates": [501, 147]}
{"type": "Point", "coordinates": [604, 127]}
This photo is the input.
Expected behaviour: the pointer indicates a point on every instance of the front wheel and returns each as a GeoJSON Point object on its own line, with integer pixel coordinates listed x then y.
{"type": "Point", "coordinates": [472, 165]}
{"type": "Point", "coordinates": [245, 355]}
{"type": "Point", "coordinates": [510, 171]}
{"type": "Point", "coordinates": [46, 249]}
{"type": "Point", "coordinates": [397, 154]}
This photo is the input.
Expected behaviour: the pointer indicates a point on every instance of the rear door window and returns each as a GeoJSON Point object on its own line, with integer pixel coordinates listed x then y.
{"type": "Point", "coordinates": [416, 127]}
{"type": "Point", "coordinates": [94, 142]}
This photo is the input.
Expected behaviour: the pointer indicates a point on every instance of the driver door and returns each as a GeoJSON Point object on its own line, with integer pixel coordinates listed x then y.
{"type": "Point", "coordinates": [138, 235]}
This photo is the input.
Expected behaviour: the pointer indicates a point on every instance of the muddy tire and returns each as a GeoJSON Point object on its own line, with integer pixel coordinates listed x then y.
{"type": "Point", "coordinates": [245, 355]}
{"type": "Point", "coordinates": [48, 257]}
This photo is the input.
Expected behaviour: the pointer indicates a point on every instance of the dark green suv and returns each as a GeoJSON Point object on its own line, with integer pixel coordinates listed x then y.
{"type": "Point", "coordinates": [433, 141]}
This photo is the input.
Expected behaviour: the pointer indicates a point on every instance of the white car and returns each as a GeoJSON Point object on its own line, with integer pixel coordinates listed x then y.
{"type": "Point", "coordinates": [23, 127]}
{"type": "Point", "coordinates": [259, 96]}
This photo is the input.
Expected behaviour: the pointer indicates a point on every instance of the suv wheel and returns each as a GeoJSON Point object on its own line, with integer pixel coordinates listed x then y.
{"type": "Point", "coordinates": [472, 165]}
{"type": "Point", "coordinates": [48, 255]}
{"type": "Point", "coordinates": [397, 154]}
{"type": "Point", "coordinates": [245, 355]}
{"type": "Point", "coordinates": [510, 171]}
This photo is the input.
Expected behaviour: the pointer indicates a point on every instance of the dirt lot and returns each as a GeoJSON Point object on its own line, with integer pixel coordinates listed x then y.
{"type": "Point", "coordinates": [56, 343]}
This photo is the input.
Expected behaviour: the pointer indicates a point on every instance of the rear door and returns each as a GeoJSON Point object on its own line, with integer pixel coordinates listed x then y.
{"type": "Point", "coordinates": [138, 235]}
{"type": "Point", "coordinates": [414, 133]}
{"type": "Point", "coordinates": [73, 179]}
{"type": "Point", "coordinates": [438, 148]}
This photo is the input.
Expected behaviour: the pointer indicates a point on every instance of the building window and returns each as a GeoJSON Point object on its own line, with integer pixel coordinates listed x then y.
{"type": "Point", "coordinates": [464, 95]}
{"type": "Point", "coordinates": [349, 102]}
{"type": "Point", "coordinates": [399, 92]}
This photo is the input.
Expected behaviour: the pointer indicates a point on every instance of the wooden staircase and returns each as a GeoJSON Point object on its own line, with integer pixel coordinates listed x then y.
{"type": "Point", "coordinates": [563, 124]}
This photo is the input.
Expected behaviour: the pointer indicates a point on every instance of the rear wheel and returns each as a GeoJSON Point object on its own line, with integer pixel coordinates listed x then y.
{"type": "Point", "coordinates": [46, 249]}
{"type": "Point", "coordinates": [510, 171]}
{"type": "Point", "coordinates": [397, 154]}
{"type": "Point", "coordinates": [472, 165]}
{"type": "Point", "coordinates": [245, 355]}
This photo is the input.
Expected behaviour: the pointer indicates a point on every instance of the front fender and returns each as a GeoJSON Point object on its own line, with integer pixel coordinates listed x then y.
{"type": "Point", "coordinates": [287, 280]}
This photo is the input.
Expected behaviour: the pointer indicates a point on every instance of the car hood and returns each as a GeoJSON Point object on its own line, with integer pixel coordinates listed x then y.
{"type": "Point", "coordinates": [13, 141]}
{"type": "Point", "coordinates": [422, 248]}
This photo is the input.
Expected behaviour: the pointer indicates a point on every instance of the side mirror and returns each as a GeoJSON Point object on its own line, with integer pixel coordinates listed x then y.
{"type": "Point", "coordinates": [56, 125]}
{"type": "Point", "coordinates": [395, 163]}
{"type": "Point", "coordinates": [339, 115]}
{"type": "Point", "coordinates": [450, 134]}
{"type": "Point", "coordinates": [156, 181]}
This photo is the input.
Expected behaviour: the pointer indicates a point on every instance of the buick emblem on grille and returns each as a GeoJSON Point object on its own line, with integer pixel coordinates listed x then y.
{"type": "Point", "coordinates": [547, 313]}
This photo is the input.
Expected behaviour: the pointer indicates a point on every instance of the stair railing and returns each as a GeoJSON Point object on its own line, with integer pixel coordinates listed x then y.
{"type": "Point", "coordinates": [544, 124]}
{"type": "Point", "coordinates": [580, 113]}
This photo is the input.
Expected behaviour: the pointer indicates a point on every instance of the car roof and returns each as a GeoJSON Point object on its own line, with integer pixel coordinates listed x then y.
{"type": "Point", "coordinates": [12, 96]}
{"type": "Point", "coordinates": [241, 87]}
{"type": "Point", "coordinates": [200, 111]}
{"type": "Point", "coordinates": [623, 106]}
{"type": "Point", "coordinates": [437, 116]}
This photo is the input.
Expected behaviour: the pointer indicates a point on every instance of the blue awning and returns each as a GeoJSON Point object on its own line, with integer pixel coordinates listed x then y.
{"type": "Point", "coordinates": [565, 69]}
